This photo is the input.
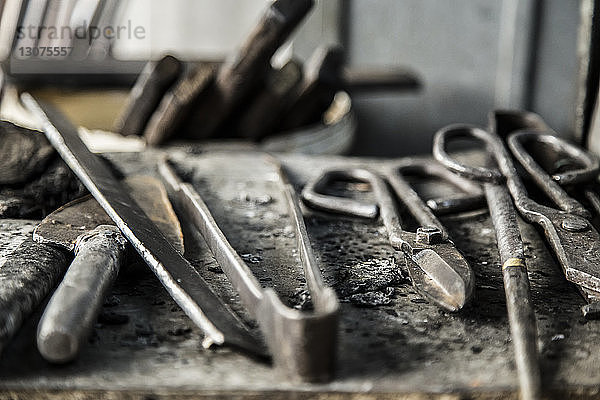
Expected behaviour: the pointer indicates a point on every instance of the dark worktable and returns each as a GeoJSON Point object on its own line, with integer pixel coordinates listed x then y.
{"type": "Point", "coordinates": [391, 341]}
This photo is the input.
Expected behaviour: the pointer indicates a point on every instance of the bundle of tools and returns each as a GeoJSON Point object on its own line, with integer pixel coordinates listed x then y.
{"type": "Point", "coordinates": [302, 343]}
{"type": "Point", "coordinates": [246, 97]}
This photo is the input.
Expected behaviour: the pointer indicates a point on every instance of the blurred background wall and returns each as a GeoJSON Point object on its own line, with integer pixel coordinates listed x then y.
{"type": "Point", "coordinates": [471, 55]}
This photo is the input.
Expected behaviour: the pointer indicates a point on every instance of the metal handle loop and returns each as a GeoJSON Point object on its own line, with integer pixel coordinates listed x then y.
{"type": "Point", "coordinates": [461, 131]}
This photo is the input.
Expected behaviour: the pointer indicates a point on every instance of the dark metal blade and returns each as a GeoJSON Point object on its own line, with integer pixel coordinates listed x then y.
{"type": "Point", "coordinates": [63, 226]}
{"type": "Point", "coordinates": [181, 280]}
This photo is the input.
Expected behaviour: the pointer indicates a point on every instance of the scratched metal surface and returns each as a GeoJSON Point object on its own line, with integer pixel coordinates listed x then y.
{"type": "Point", "coordinates": [391, 341]}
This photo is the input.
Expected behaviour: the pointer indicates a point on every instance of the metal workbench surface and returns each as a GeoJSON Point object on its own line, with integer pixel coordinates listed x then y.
{"type": "Point", "coordinates": [391, 341]}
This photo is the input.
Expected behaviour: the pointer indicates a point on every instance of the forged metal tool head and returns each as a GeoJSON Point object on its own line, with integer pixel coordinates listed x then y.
{"type": "Point", "coordinates": [455, 281]}
{"type": "Point", "coordinates": [64, 226]}
{"type": "Point", "coordinates": [437, 269]}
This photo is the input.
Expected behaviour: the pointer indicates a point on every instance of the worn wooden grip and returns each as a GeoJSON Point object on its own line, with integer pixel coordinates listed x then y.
{"type": "Point", "coordinates": [26, 278]}
{"type": "Point", "coordinates": [74, 306]}
{"type": "Point", "coordinates": [146, 95]}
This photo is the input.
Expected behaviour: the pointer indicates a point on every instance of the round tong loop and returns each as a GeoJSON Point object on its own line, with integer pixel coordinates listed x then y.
{"type": "Point", "coordinates": [464, 131]}
{"type": "Point", "coordinates": [590, 164]}
{"type": "Point", "coordinates": [550, 184]}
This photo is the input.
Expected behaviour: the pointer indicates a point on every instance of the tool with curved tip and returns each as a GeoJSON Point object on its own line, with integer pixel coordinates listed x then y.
{"type": "Point", "coordinates": [437, 269]}
{"type": "Point", "coordinates": [83, 227]}
{"type": "Point", "coordinates": [302, 343]}
{"type": "Point", "coordinates": [510, 245]}
{"type": "Point", "coordinates": [183, 282]}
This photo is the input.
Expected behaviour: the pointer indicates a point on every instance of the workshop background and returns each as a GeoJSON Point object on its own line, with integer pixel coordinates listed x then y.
{"type": "Point", "coordinates": [469, 55]}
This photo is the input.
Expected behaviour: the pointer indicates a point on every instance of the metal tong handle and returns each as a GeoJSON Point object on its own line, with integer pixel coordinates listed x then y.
{"type": "Point", "coordinates": [504, 172]}
{"type": "Point", "coordinates": [302, 344]}
{"type": "Point", "coordinates": [551, 184]}
{"type": "Point", "coordinates": [424, 212]}
{"type": "Point", "coordinates": [313, 195]}
{"type": "Point", "coordinates": [494, 147]}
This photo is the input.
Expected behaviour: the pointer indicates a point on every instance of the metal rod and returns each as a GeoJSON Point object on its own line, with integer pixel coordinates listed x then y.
{"type": "Point", "coordinates": [521, 316]}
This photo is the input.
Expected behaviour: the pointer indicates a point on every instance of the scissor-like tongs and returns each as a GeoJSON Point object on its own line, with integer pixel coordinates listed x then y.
{"type": "Point", "coordinates": [437, 269]}
{"type": "Point", "coordinates": [567, 228]}
{"type": "Point", "coordinates": [302, 343]}
{"type": "Point", "coordinates": [499, 170]}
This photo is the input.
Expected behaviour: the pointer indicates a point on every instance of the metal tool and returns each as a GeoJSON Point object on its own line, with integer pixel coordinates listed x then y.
{"type": "Point", "coordinates": [510, 245]}
{"type": "Point", "coordinates": [568, 228]}
{"type": "Point", "coordinates": [260, 117]}
{"type": "Point", "coordinates": [105, 15]}
{"type": "Point", "coordinates": [82, 14]}
{"type": "Point", "coordinates": [219, 324]}
{"type": "Point", "coordinates": [57, 15]}
{"type": "Point", "coordinates": [321, 82]}
{"type": "Point", "coordinates": [437, 269]}
{"type": "Point", "coordinates": [574, 241]}
{"type": "Point", "coordinates": [33, 16]}
{"type": "Point", "coordinates": [302, 343]}
{"type": "Point", "coordinates": [84, 228]}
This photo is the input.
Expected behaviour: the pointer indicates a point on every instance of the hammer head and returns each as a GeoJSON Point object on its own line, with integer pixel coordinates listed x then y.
{"type": "Point", "coordinates": [63, 226]}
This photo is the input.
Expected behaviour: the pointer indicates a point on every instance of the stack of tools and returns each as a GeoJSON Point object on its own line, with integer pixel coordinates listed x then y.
{"type": "Point", "coordinates": [246, 97]}
{"type": "Point", "coordinates": [121, 217]}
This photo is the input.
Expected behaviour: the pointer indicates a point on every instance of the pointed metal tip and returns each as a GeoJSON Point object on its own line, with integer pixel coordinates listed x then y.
{"type": "Point", "coordinates": [443, 276]}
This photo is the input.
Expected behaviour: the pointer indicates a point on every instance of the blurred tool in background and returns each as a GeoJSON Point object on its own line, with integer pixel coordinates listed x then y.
{"type": "Point", "coordinates": [510, 55]}
{"type": "Point", "coordinates": [249, 96]}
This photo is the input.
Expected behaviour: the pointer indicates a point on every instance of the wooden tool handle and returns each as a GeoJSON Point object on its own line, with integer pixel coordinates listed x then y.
{"type": "Point", "coordinates": [26, 278]}
{"type": "Point", "coordinates": [74, 306]}
{"type": "Point", "coordinates": [153, 83]}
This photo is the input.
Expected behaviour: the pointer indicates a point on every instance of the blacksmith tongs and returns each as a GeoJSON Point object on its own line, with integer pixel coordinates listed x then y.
{"type": "Point", "coordinates": [552, 163]}
{"type": "Point", "coordinates": [302, 343]}
{"type": "Point", "coordinates": [437, 269]}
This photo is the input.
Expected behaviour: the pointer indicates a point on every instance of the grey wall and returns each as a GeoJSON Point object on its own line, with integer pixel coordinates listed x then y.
{"type": "Point", "coordinates": [556, 65]}
{"type": "Point", "coordinates": [472, 55]}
